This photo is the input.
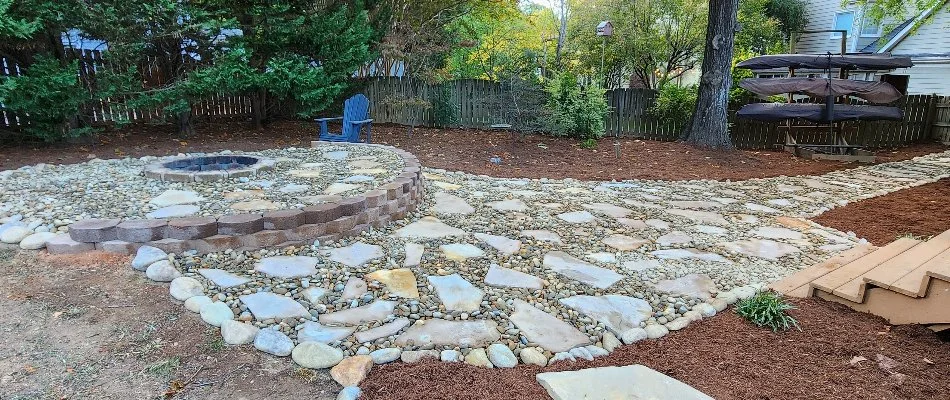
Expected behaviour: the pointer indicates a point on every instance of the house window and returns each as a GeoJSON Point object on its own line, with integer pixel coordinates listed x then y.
{"type": "Point", "coordinates": [844, 21]}
{"type": "Point", "coordinates": [870, 28]}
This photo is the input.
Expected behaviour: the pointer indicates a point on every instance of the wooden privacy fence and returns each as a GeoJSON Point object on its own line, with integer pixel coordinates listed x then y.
{"type": "Point", "coordinates": [925, 116]}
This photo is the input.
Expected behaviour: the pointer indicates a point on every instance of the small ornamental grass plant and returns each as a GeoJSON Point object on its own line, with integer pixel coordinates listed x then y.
{"type": "Point", "coordinates": [767, 309]}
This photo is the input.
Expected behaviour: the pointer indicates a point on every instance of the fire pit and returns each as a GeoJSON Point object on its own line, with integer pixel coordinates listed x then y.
{"type": "Point", "coordinates": [208, 168]}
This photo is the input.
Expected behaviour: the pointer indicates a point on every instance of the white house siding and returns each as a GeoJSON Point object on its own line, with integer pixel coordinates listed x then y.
{"type": "Point", "coordinates": [821, 16]}
{"type": "Point", "coordinates": [928, 77]}
{"type": "Point", "coordinates": [929, 47]}
{"type": "Point", "coordinates": [930, 38]}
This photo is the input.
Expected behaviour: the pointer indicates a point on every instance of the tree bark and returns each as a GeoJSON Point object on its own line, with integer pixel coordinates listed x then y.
{"type": "Point", "coordinates": [258, 108]}
{"type": "Point", "coordinates": [561, 35]}
{"type": "Point", "coordinates": [709, 126]}
{"type": "Point", "coordinates": [185, 126]}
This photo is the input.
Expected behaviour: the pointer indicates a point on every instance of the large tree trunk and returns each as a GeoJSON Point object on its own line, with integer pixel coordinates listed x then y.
{"type": "Point", "coordinates": [259, 108]}
{"type": "Point", "coordinates": [709, 126]}
{"type": "Point", "coordinates": [185, 126]}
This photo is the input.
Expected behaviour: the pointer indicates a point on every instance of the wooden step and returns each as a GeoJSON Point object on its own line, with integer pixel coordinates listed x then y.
{"type": "Point", "coordinates": [798, 284]}
{"type": "Point", "coordinates": [849, 283]}
{"type": "Point", "coordinates": [916, 282]}
{"type": "Point", "coordinates": [887, 274]}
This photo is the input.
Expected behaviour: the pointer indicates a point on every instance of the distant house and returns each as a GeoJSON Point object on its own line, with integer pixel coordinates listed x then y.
{"type": "Point", "coordinates": [923, 37]}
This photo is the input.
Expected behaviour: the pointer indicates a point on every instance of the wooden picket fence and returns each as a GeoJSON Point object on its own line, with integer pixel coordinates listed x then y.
{"type": "Point", "coordinates": [925, 116]}
{"type": "Point", "coordinates": [483, 103]}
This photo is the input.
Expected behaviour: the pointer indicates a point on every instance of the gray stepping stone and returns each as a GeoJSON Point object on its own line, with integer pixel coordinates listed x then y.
{"type": "Point", "coordinates": [448, 204]}
{"type": "Point", "coordinates": [609, 209]}
{"type": "Point", "coordinates": [617, 313]}
{"type": "Point", "coordinates": [336, 155]}
{"type": "Point", "coordinates": [356, 254]}
{"type": "Point", "coordinates": [400, 282]}
{"type": "Point", "coordinates": [781, 202]}
{"type": "Point", "coordinates": [693, 285]}
{"type": "Point", "coordinates": [414, 254]}
{"type": "Point", "coordinates": [577, 217]}
{"type": "Point", "coordinates": [358, 179]}
{"type": "Point", "coordinates": [287, 266]}
{"type": "Point", "coordinates": [658, 224]}
{"type": "Point", "coordinates": [629, 382]}
{"type": "Point", "coordinates": [502, 244]}
{"type": "Point", "coordinates": [338, 188]}
{"type": "Point", "coordinates": [641, 204]}
{"type": "Point", "coordinates": [545, 329]}
{"type": "Point", "coordinates": [461, 251]}
{"type": "Point", "coordinates": [314, 332]}
{"type": "Point", "coordinates": [640, 264]}
{"type": "Point", "coordinates": [222, 278]}
{"type": "Point", "coordinates": [604, 258]}
{"type": "Point", "coordinates": [634, 224]}
{"type": "Point", "coordinates": [173, 212]}
{"type": "Point", "coordinates": [674, 238]}
{"type": "Point", "coordinates": [313, 294]}
{"type": "Point", "coordinates": [767, 249]}
{"type": "Point", "coordinates": [440, 332]}
{"type": "Point", "coordinates": [774, 232]}
{"type": "Point", "coordinates": [294, 188]}
{"type": "Point", "coordinates": [175, 197]}
{"type": "Point", "coordinates": [516, 205]}
{"type": "Point", "coordinates": [428, 228]}
{"type": "Point", "coordinates": [266, 305]}
{"type": "Point", "coordinates": [354, 288]}
{"type": "Point", "coordinates": [760, 208]}
{"type": "Point", "coordinates": [272, 341]}
{"type": "Point", "coordinates": [498, 276]}
{"type": "Point", "coordinates": [624, 242]}
{"type": "Point", "coordinates": [695, 205]}
{"type": "Point", "coordinates": [703, 217]}
{"type": "Point", "coordinates": [456, 293]}
{"type": "Point", "coordinates": [382, 331]}
{"type": "Point", "coordinates": [544, 236]}
{"type": "Point", "coordinates": [688, 254]}
{"type": "Point", "coordinates": [710, 230]}
{"type": "Point", "coordinates": [579, 270]}
{"type": "Point", "coordinates": [375, 311]}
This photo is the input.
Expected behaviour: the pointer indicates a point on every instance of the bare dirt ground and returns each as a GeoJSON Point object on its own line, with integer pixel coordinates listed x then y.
{"type": "Point", "coordinates": [90, 327]}
{"type": "Point", "coordinates": [533, 156]}
{"type": "Point", "coordinates": [920, 211]}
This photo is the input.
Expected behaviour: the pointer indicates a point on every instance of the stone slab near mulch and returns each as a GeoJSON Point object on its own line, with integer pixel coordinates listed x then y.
{"type": "Point", "coordinates": [666, 254]}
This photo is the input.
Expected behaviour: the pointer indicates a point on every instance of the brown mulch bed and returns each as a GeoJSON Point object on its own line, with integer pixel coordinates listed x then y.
{"type": "Point", "coordinates": [919, 211]}
{"type": "Point", "coordinates": [533, 156]}
{"type": "Point", "coordinates": [726, 358]}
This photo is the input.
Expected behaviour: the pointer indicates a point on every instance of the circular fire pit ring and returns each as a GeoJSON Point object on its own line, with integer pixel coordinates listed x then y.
{"type": "Point", "coordinates": [208, 168]}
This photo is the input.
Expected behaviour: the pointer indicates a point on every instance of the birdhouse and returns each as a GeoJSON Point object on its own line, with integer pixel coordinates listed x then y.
{"type": "Point", "coordinates": [605, 28]}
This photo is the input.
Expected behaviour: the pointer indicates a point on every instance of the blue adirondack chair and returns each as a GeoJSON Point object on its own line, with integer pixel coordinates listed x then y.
{"type": "Point", "coordinates": [355, 116]}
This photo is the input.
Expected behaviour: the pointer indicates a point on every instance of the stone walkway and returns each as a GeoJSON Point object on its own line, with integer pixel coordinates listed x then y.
{"type": "Point", "coordinates": [492, 271]}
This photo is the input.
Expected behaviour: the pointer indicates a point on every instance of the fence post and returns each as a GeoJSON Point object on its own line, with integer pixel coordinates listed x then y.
{"type": "Point", "coordinates": [931, 117]}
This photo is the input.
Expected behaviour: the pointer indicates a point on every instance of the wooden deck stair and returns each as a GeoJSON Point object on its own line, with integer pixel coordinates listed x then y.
{"type": "Point", "coordinates": [907, 281]}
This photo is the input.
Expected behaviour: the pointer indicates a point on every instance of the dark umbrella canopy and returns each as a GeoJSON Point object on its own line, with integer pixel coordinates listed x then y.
{"type": "Point", "coordinates": [823, 61]}
{"type": "Point", "coordinates": [818, 112]}
{"type": "Point", "coordinates": [874, 92]}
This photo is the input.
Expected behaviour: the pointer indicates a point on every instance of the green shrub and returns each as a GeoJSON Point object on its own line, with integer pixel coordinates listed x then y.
{"type": "Point", "coordinates": [445, 111]}
{"type": "Point", "coordinates": [49, 95]}
{"type": "Point", "coordinates": [574, 111]}
{"type": "Point", "coordinates": [674, 104]}
{"type": "Point", "coordinates": [767, 309]}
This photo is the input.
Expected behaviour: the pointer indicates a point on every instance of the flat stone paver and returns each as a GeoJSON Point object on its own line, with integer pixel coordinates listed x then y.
{"type": "Point", "coordinates": [266, 305]}
{"type": "Point", "coordinates": [498, 276]}
{"type": "Point", "coordinates": [632, 382]}
{"type": "Point", "coordinates": [456, 293]}
{"type": "Point", "coordinates": [768, 249]}
{"type": "Point", "coordinates": [460, 251]}
{"type": "Point", "coordinates": [772, 232]}
{"type": "Point", "coordinates": [543, 235]}
{"type": "Point", "coordinates": [624, 242]}
{"type": "Point", "coordinates": [703, 217]}
{"type": "Point", "coordinates": [544, 329]}
{"type": "Point", "coordinates": [314, 332]}
{"type": "Point", "coordinates": [577, 217]}
{"type": "Point", "coordinates": [440, 332]}
{"type": "Point", "coordinates": [400, 282]}
{"type": "Point", "coordinates": [222, 278]}
{"type": "Point", "coordinates": [181, 210]}
{"type": "Point", "coordinates": [356, 254]}
{"type": "Point", "coordinates": [502, 244]}
{"type": "Point", "coordinates": [428, 228]}
{"type": "Point", "coordinates": [686, 254]}
{"type": "Point", "coordinates": [579, 270]}
{"type": "Point", "coordinates": [617, 313]}
{"type": "Point", "coordinates": [675, 238]}
{"type": "Point", "coordinates": [693, 285]}
{"type": "Point", "coordinates": [339, 188]}
{"type": "Point", "coordinates": [447, 204]}
{"type": "Point", "coordinates": [176, 197]}
{"type": "Point", "coordinates": [382, 331]}
{"type": "Point", "coordinates": [414, 253]}
{"type": "Point", "coordinates": [516, 205]}
{"type": "Point", "coordinates": [287, 266]}
{"type": "Point", "coordinates": [376, 311]}
{"type": "Point", "coordinates": [609, 209]}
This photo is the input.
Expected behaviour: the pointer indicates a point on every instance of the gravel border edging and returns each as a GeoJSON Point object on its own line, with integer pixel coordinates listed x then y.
{"type": "Point", "coordinates": [347, 217]}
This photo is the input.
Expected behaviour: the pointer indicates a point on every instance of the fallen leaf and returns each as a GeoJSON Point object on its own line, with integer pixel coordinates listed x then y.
{"type": "Point", "coordinates": [856, 360]}
{"type": "Point", "coordinates": [926, 360]}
